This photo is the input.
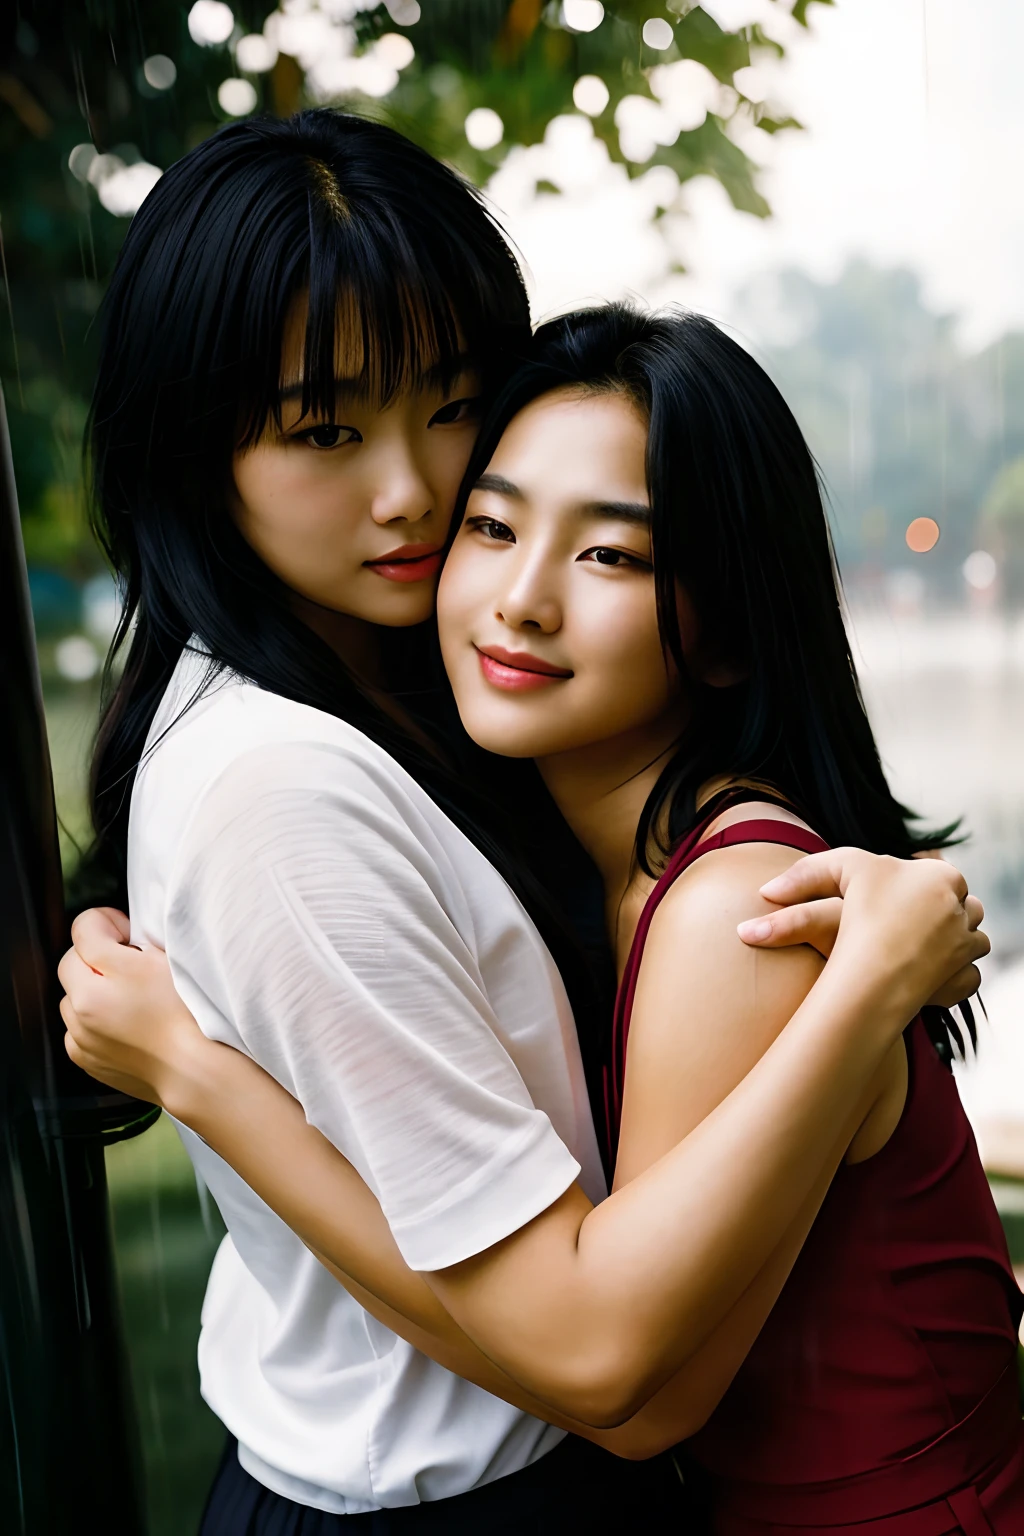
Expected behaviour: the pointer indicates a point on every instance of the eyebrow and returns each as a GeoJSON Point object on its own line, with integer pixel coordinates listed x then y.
{"type": "Point", "coordinates": [438, 375]}
{"type": "Point", "coordinates": [637, 513]}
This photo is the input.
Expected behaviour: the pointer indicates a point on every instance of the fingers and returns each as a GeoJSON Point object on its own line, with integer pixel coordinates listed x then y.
{"type": "Point", "coordinates": [73, 974]}
{"type": "Point", "coordinates": [814, 922]}
{"type": "Point", "coordinates": [98, 934]}
{"type": "Point", "coordinates": [975, 913]}
{"type": "Point", "coordinates": [820, 874]}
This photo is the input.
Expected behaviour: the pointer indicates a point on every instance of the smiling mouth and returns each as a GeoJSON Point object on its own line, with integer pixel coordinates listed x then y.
{"type": "Point", "coordinates": [518, 671]}
{"type": "Point", "coordinates": [412, 562]}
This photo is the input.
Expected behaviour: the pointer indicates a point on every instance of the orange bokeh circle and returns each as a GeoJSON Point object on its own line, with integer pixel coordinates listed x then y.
{"type": "Point", "coordinates": [922, 535]}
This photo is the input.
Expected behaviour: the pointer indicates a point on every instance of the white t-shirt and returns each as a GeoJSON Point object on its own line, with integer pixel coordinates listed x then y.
{"type": "Point", "coordinates": [322, 914]}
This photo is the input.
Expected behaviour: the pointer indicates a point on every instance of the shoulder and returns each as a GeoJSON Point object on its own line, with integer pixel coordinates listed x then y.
{"type": "Point", "coordinates": [694, 927]}
{"type": "Point", "coordinates": [722, 887]}
{"type": "Point", "coordinates": [238, 775]}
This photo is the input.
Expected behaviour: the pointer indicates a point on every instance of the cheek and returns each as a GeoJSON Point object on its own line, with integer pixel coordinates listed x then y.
{"type": "Point", "coordinates": [626, 660]}
{"type": "Point", "coordinates": [291, 505]}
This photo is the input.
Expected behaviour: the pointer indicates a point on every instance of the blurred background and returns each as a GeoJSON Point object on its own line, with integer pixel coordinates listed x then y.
{"type": "Point", "coordinates": [837, 183]}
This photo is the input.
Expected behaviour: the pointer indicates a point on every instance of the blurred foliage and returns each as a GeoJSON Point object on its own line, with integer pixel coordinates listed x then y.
{"type": "Point", "coordinates": [903, 421]}
{"type": "Point", "coordinates": [1001, 528]}
{"type": "Point", "coordinates": [71, 73]}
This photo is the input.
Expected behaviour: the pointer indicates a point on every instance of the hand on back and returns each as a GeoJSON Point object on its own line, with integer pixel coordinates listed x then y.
{"type": "Point", "coordinates": [126, 1024]}
{"type": "Point", "coordinates": [911, 920]}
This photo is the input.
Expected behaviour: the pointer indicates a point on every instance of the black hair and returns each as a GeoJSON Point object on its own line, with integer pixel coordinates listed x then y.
{"type": "Point", "coordinates": [738, 520]}
{"type": "Point", "coordinates": [387, 244]}
{"type": "Point", "coordinates": [396, 252]}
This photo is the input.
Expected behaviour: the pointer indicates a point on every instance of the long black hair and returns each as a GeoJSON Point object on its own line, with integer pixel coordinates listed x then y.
{"type": "Point", "coordinates": [368, 227]}
{"type": "Point", "coordinates": [388, 244]}
{"type": "Point", "coordinates": [739, 522]}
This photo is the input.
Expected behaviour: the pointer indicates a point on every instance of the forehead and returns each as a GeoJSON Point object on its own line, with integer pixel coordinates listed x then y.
{"type": "Point", "coordinates": [578, 445]}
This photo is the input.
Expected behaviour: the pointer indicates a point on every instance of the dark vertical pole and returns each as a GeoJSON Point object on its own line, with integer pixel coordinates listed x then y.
{"type": "Point", "coordinates": [68, 1453]}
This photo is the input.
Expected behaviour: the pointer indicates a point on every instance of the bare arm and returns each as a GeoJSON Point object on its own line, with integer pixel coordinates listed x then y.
{"type": "Point", "coordinates": [594, 1310]}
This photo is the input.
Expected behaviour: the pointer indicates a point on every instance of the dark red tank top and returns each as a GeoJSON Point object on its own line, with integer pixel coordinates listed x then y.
{"type": "Point", "coordinates": [897, 1327]}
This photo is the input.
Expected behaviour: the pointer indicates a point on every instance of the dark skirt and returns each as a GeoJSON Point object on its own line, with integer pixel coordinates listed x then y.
{"type": "Point", "coordinates": [574, 1490]}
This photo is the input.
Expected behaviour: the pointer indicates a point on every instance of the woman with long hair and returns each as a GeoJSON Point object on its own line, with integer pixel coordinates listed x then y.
{"type": "Point", "coordinates": [283, 416]}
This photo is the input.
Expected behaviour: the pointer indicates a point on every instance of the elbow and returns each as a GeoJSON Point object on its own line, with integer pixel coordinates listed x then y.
{"type": "Point", "coordinates": [604, 1391]}
{"type": "Point", "coordinates": [647, 1434]}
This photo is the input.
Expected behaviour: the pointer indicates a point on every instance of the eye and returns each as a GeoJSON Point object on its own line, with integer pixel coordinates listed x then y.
{"type": "Point", "coordinates": [328, 435]}
{"type": "Point", "coordinates": [456, 411]}
{"type": "Point", "coordinates": [601, 555]}
{"type": "Point", "coordinates": [491, 528]}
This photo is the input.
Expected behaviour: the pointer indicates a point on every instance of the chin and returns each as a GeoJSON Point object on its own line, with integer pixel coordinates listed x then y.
{"type": "Point", "coordinates": [508, 738]}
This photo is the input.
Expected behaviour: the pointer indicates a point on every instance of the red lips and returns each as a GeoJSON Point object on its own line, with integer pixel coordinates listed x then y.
{"type": "Point", "coordinates": [518, 671]}
{"type": "Point", "coordinates": [410, 562]}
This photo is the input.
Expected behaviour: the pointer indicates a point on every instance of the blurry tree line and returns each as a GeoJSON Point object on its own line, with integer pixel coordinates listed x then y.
{"type": "Point", "coordinates": [98, 96]}
{"type": "Point", "coordinates": [905, 425]}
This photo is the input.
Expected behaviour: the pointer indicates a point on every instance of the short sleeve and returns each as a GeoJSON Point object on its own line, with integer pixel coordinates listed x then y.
{"type": "Point", "coordinates": [310, 916]}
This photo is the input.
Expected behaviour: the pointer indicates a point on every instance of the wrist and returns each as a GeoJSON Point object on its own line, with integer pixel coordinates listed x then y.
{"type": "Point", "coordinates": [876, 998]}
{"type": "Point", "coordinates": [189, 1080]}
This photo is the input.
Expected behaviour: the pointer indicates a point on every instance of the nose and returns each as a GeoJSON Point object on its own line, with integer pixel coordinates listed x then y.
{"type": "Point", "coordinates": [401, 493]}
{"type": "Point", "coordinates": [531, 601]}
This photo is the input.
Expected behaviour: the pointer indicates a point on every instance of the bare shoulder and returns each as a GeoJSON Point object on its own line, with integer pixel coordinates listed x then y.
{"type": "Point", "coordinates": [722, 887]}
{"type": "Point", "coordinates": [707, 1006]}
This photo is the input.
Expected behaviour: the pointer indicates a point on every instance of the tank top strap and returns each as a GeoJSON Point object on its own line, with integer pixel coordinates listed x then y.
{"type": "Point", "coordinates": [692, 847]}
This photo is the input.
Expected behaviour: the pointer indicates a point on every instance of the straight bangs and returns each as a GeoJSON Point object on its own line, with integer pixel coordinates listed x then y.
{"type": "Point", "coordinates": [379, 320]}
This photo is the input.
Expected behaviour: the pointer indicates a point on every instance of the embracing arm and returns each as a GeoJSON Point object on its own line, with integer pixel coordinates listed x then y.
{"type": "Point", "coordinates": [594, 1310]}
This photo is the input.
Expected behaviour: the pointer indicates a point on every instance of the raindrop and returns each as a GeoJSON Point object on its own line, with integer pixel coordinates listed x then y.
{"type": "Point", "coordinates": [160, 72]}
{"type": "Point", "coordinates": [255, 54]}
{"type": "Point", "coordinates": [236, 97]}
{"type": "Point", "coordinates": [484, 128]}
{"type": "Point", "coordinates": [590, 95]}
{"type": "Point", "coordinates": [210, 22]}
{"type": "Point", "coordinates": [582, 15]}
{"type": "Point", "coordinates": [658, 33]}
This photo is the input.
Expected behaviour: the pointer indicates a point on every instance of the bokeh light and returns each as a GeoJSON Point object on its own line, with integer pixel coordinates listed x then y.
{"type": "Point", "coordinates": [124, 188]}
{"type": "Point", "coordinates": [658, 33]}
{"type": "Point", "coordinates": [582, 15]}
{"type": "Point", "coordinates": [980, 570]}
{"type": "Point", "coordinates": [77, 659]}
{"type": "Point", "coordinates": [404, 13]}
{"type": "Point", "coordinates": [922, 535]}
{"type": "Point", "coordinates": [80, 161]}
{"type": "Point", "coordinates": [394, 50]}
{"type": "Point", "coordinates": [236, 97]}
{"type": "Point", "coordinates": [255, 54]}
{"type": "Point", "coordinates": [484, 128]}
{"type": "Point", "coordinates": [210, 23]}
{"type": "Point", "coordinates": [590, 95]}
{"type": "Point", "coordinates": [160, 72]}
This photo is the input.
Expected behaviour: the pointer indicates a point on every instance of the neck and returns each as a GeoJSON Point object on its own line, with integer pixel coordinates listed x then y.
{"type": "Point", "coordinates": [356, 642]}
{"type": "Point", "coordinates": [601, 791]}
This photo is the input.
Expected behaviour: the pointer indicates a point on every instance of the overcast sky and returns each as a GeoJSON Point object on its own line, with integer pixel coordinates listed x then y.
{"type": "Point", "coordinates": [913, 154]}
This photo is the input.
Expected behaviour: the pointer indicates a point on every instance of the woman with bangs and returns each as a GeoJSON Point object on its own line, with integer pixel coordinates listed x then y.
{"type": "Point", "coordinates": [302, 322]}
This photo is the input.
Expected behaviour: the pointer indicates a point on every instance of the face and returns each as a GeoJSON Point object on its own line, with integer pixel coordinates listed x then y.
{"type": "Point", "coordinates": [546, 607]}
{"type": "Point", "coordinates": [351, 513]}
